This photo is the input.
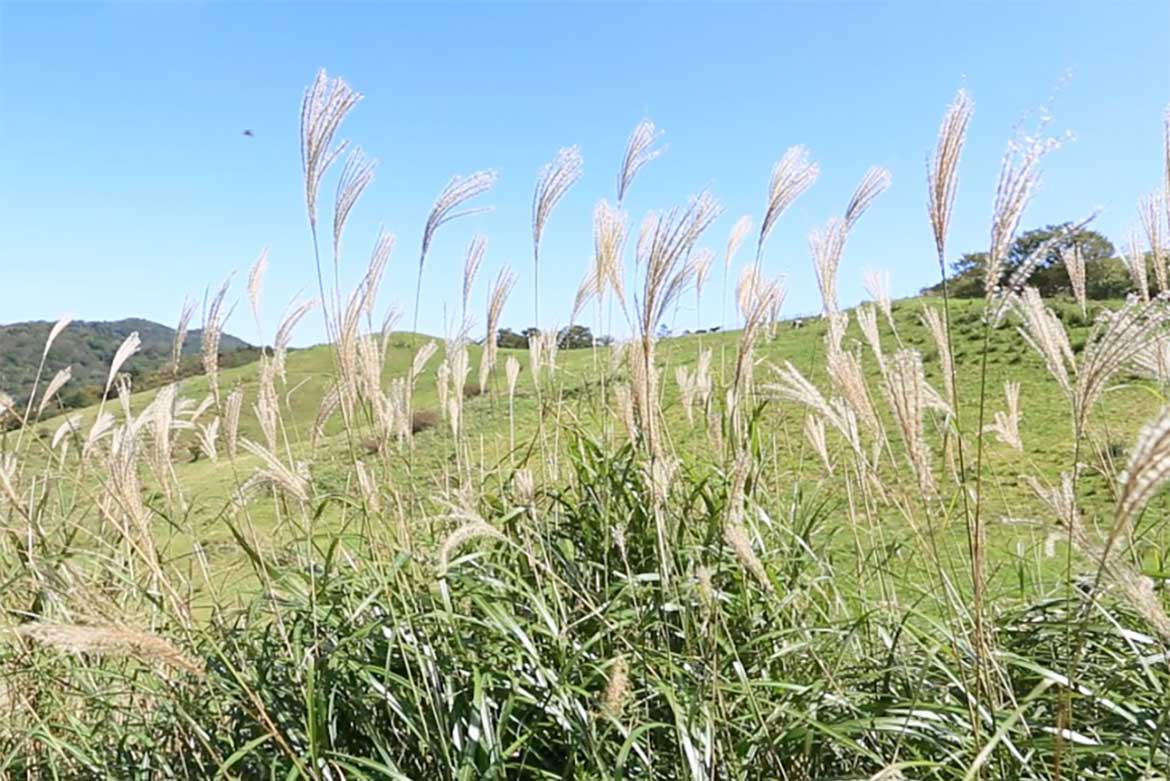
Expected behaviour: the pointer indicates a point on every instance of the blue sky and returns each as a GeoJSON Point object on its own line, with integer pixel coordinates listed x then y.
{"type": "Point", "coordinates": [128, 182]}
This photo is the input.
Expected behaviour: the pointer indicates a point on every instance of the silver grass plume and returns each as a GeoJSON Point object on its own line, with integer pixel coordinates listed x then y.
{"type": "Point", "coordinates": [185, 315]}
{"type": "Point", "coordinates": [1018, 177]}
{"type": "Point", "coordinates": [639, 151]}
{"type": "Point", "coordinates": [256, 285]}
{"type": "Point", "coordinates": [213, 322]}
{"type": "Point", "coordinates": [877, 285]}
{"type": "Point", "coordinates": [111, 641]}
{"type": "Point", "coordinates": [471, 263]}
{"type": "Point", "coordinates": [907, 393]}
{"type": "Point", "coordinates": [609, 239]}
{"type": "Point", "coordinates": [474, 528]}
{"type": "Point", "coordinates": [1074, 262]}
{"type": "Point", "coordinates": [552, 182]}
{"type": "Point", "coordinates": [1006, 425]}
{"type": "Point", "coordinates": [942, 171]}
{"type": "Point", "coordinates": [826, 245]}
{"type": "Point", "coordinates": [791, 176]}
{"type": "Point", "coordinates": [1135, 261]}
{"type": "Point", "coordinates": [502, 288]}
{"type": "Point", "coordinates": [127, 349]}
{"type": "Point", "coordinates": [58, 382]}
{"type": "Point", "coordinates": [937, 326]}
{"type": "Point", "coordinates": [446, 208]}
{"type": "Point", "coordinates": [1150, 210]}
{"type": "Point", "coordinates": [875, 182]}
{"type": "Point", "coordinates": [324, 106]}
{"type": "Point", "coordinates": [356, 176]}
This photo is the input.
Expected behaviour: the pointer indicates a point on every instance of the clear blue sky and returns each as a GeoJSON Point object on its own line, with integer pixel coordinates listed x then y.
{"type": "Point", "coordinates": [127, 182]}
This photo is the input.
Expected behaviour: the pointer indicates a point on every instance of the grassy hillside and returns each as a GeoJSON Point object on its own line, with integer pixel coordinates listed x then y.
{"type": "Point", "coordinates": [87, 348]}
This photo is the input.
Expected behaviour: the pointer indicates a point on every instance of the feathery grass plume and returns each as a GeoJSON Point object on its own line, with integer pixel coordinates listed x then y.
{"type": "Point", "coordinates": [1018, 176]}
{"type": "Point", "coordinates": [231, 417]}
{"type": "Point", "coordinates": [535, 355]}
{"type": "Point", "coordinates": [739, 232]}
{"type": "Point", "coordinates": [207, 436]}
{"type": "Point", "coordinates": [682, 377]}
{"type": "Point", "coordinates": [213, 322]}
{"type": "Point", "coordinates": [589, 290]}
{"type": "Point", "coordinates": [284, 335]}
{"type": "Point", "coordinates": [867, 322]}
{"type": "Point", "coordinates": [757, 299]}
{"type": "Point", "coordinates": [667, 275]}
{"type": "Point", "coordinates": [826, 245]}
{"type": "Point", "coordinates": [1150, 210]}
{"type": "Point", "coordinates": [103, 423]}
{"type": "Point", "coordinates": [458, 191]}
{"type": "Point", "coordinates": [266, 407]}
{"type": "Point", "coordinates": [701, 262]}
{"type": "Point", "coordinates": [1006, 425]}
{"type": "Point", "coordinates": [814, 432]}
{"type": "Point", "coordinates": [180, 338]}
{"type": "Point", "coordinates": [1135, 263]}
{"type": "Point", "coordinates": [616, 687]}
{"type": "Point", "coordinates": [907, 393]}
{"type": "Point", "coordinates": [738, 539]}
{"type": "Point", "coordinates": [646, 231]}
{"type": "Point", "coordinates": [609, 239]}
{"type": "Point", "coordinates": [877, 285]}
{"type": "Point", "coordinates": [875, 182]}
{"type": "Point", "coordinates": [938, 331]}
{"type": "Point", "coordinates": [111, 641]}
{"type": "Point", "coordinates": [1115, 339]}
{"type": "Point", "coordinates": [475, 528]}
{"type": "Point", "coordinates": [524, 484]}
{"type": "Point", "coordinates": [942, 171]}
{"type": "Point", "coordinates": [290, 480]}
{"type": "Point", "coordinates": [356, 176]}
{"type": "Point", "coordinates": [624, 400]}
{"type": "Point", "coordinates": [128, 348]}
{"type": "Point", "coordinates": [368, 487]}
{"type": "Point", "coordinates": [54, 332]}
{"type": "Point", "coordinates": [553, 181]}
{"type": "Point", "coordinates": [70, 428]}
{"type": "Point", "coordinates": [8, 474]}
{"type": "Point", "coordinates": [639, 151]}
{"type": "Point", "coordinates": [58, 381]}
{"type": "Point", "coordinates": [502, 288]}
{"type": "Point", "coordinates": [512, 373]}
{"type": "Point", "coordinates": [1039, 254]}
{"type": "Point", "coordinates": [443, 385]}
{"type": "Point", "coordinates": [256, 284]}
{"type": "Point", "coordinates": [1147, 472]}
{"type": "Point", "coordinates": [791, 176]}
{"type": "Point", "coordinates": [471, 263]}
{"type": "Point", "coordinates": [848, 378]}
{"type": "Point", "coordinates": [1044, 333]}
{"type": "Point", "coordinates": [1074, 262]}
{"type": "Point", "coordinates": [324, 106]}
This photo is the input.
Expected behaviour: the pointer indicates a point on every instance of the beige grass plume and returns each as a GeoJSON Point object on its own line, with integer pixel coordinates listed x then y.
{"type": "Point", "coordinates": [1074, 262]}
{"type": "Point", "coordinates": [471, 263]}
{"type": "Point", "coordinates": [1150, 209]}
{"type": "Point", "coordinates": [875, 182]}
{"type": "Point", "coordinates": [907, 393]}
{"type": "Point", "coordinates": [609, 239]}
{"type": "Point", "coordinates": [126, 350]}
{"type": "Point", "coordinates": [356, 175]}
{"type": "Point", "coordinates": [639, 151]}
{"type": "Point", "coordinates": [1018, 177]}
{"type": "Point", "coordinates": [213, 323]}
{"type": "Point", "coordinates": [826, 245]}
{"type": "Point", "coordinates": [256, 285]}
{"type": "Point", "coordinates": [791, 176]}
{"type": "Point", "coordinates": [111, 641]}
{"type": "Point", "coordinates": [180, 338]}
{"type": "Point", "coordinates": [553, 181]}
{"type": "Point", "coordinates": [1135, 262]}
{"type": "Point", "coordinates": [942, 171]}
{"type": "Point", "coordinates": [502, 288]}
{"type": "Point", "coordinates": [55, 385]}
{"type": "Point", "coordinates": [326, 102]}
{"type": "Point", "coordinates": [447, 207]}
{"type": "Point", "coordinates": [473, 529]}
{"type": "Point", "coordinates": [1006, 425]}
{"type": "Point", "coordinates": [616, 688]}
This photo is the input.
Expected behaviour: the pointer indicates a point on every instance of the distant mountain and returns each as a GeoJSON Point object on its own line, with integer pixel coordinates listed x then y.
{"type": "Point", "coordinates": [88, 348]}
